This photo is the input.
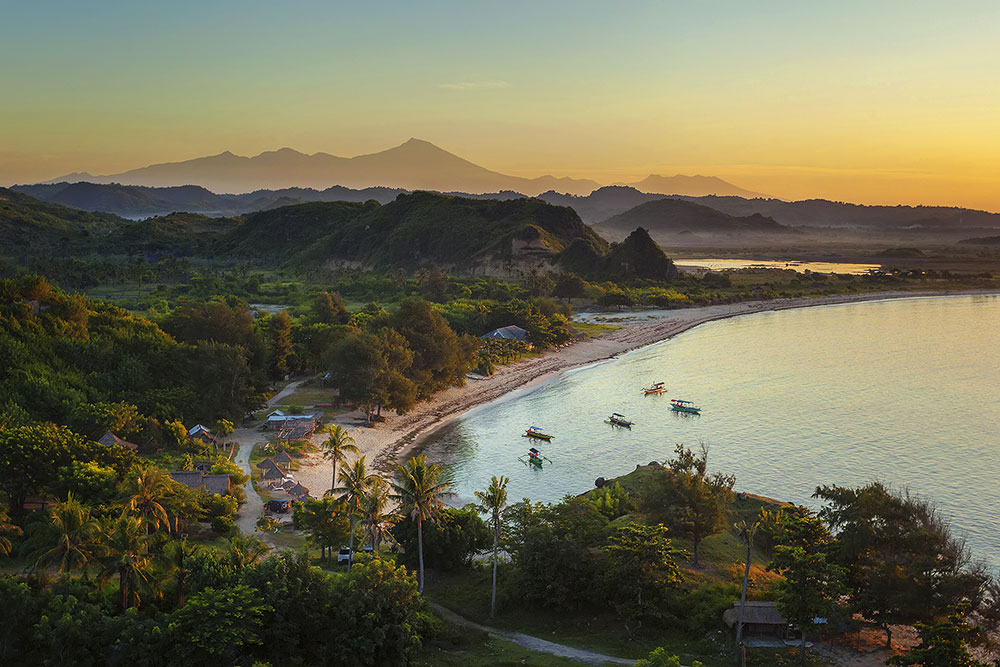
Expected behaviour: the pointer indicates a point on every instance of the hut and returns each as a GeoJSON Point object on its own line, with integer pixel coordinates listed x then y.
{"type": "Point", "coordinates": [512, 332]}
{"type": "Point", "coordinates": [283, 460]}
{"type": "Point", "coordinates": [760, 619]}
{"type": "Point", "coordinates": [109, 439]}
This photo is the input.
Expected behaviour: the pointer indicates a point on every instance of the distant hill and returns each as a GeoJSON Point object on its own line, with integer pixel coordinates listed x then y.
{"type": "Point", "coordinates": [413, 165]}
{"type": "Point", "coordinates": [602, 203]}
{"type": "Point", "coordinates": [983, 240]}
{"type": "Point", "coordinates": [666, 217]}
{"type": "Point", "coordinates": [484, 234]}
{"type": "Point", "coordinates": [29, 226]}
{"type": "Point", "coordinates": [824, 213]}
{"type": "Point", "coordinates": [695, 186]}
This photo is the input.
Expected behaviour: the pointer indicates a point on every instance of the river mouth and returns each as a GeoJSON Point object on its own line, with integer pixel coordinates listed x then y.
{"type": "Point", "coordinates": [901, 391]}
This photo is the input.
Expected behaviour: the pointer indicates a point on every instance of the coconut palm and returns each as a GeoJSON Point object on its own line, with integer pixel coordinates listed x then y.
{"type": "Point", "coordinates": [336, 447]}
{"type": "Point", "coordinates": [746, 532]}
{"type": "Point", "coordinates": [177, 557]}
{"type": "Point", "coordinates": [125, 555]}
{"type": "Point", "coordinates": [493, 501]}
{"type": "Point", "coordinates": [420, 489]}
{"type": "Point", "coordinates": [354, 483]}
{"type": "Point", "coordinates": [245, 550]}
{"type": "Point", "coordinates": [73, 534]}
{"type": "Point", "coordinates": [376, 518]}
{"type": "Point", "coordinates": [6, 528]}
{"type": "Point", "coordinates": [149, 490]}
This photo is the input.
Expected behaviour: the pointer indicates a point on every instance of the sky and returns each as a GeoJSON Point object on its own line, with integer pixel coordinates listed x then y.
{"type": "Point", "coordinates": [872, 102]}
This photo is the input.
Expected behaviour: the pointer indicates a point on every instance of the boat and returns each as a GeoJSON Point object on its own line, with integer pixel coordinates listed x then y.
{"type": "Point", "coordinates": [533, 458]}
{"type": "Point", "coordinates": [617, 419]}
{"type": "Point", "coordinates": [656, 388]}
{"type": "Point", "coordinates": [537, 433]}
{"type": "Point", "coordinates": [677, 405]}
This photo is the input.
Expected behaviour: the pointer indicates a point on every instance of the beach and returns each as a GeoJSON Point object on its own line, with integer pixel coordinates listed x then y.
{"type": "Point", "coordinates": [400, 436]}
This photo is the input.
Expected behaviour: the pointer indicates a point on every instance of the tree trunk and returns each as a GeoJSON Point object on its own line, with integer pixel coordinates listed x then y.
{"type": "Point", "coordinates": [420, 552]}
{"type": "Point", "coordinates": [493, 597]}
{"type": "Point", "coordinates": [695, 560]}
{"type": "Point", "coordinates": [802, 652]}
{"type": "Point", "coordinates": [121, 589]}
{"type": "Point", "coordinates": [743, 600]}
{"type": "Point", "coordinates": [333, 484]}
{"type": "Point", "coordinates": [888, 636]}
{"type": "Point", "coordinates": [350, 546]}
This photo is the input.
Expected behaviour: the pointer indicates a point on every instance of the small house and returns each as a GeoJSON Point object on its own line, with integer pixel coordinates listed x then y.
{"type": "Point", "coordinates": [299, 492]}
{"type": "Point", "coordinates": [196, 479]}
{"type": "Point", "coordinates": [204, 434]}
{"type": "Point", "coordinates": [270, 470]}
{"type": "Point", "coordinates": [512, 332]}
{"type": "Point", "coordinates": [109, 439]}
{"type": "Point", "coordinates": [759, 619]}
{"type": "Point", "coordinates": [279, 419]}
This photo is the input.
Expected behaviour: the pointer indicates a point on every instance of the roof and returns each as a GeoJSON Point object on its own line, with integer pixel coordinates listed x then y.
{"type": "Point", "coordinates": [755, 613]}
{"type": "Point", "coordinates": [266, 464]}
{"type": "Point", "coordinates": [196, 479]}
{"type": "Point", "coordinates": [283, 457]}
{"type": "Point", "coordinates": [198, 428]}
{"type": "Point", "coordinates": [109, 439]}
{"type": "Point", "coordinates": [279, 416]}
{"type": "Point", "coordinates": [509, 332]}
{"type": "Point", "coordinates": [273, 472]}
{"type": "Point", "coordinates": [298, 490]}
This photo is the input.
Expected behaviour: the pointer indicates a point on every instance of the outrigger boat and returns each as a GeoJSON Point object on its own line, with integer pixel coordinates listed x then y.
{"type": "Point", "coordinates": [535, 432]}
{"type": "Point", "coordinates": [657, 388]}
{"type": "Point", "coordinates": [677, 405]}
{"type": "Point", "coordinates": [618, 420]}
{"type": "Point", "coordinates": [533, 458]}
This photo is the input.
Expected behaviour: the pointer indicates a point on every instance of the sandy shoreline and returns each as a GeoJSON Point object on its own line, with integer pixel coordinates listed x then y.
{"type": "Point", "coordinates": [400, 436]}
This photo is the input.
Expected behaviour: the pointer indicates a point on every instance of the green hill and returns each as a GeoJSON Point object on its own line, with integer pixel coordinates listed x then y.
{"type": "Point", "coordinates": [671, 216]}
{"type": "Point", "coordinates": [414, 229]}
{"type": "Point", "coordinates": [28, 225]}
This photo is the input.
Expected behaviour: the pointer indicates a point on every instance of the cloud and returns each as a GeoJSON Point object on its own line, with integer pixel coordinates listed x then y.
{"type": "Point", "coordinates": [475, 85]}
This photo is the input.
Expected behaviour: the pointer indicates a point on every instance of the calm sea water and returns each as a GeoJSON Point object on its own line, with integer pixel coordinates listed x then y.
{"type": "Point", "coordinates": [801, 267]}
{"type": "Point", "coordinates": [905, 391]}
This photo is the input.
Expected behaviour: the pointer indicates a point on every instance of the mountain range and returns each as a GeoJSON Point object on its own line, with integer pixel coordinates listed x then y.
{"type": "Point", "coordinates": [413, 165]}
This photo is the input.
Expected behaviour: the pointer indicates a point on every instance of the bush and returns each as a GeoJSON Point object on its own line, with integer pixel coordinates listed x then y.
{"type": "Point", "coordinates": [220, 511]}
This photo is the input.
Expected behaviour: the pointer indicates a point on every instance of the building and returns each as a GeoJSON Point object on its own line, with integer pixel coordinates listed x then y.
{"type": "Point", "coordinates": [196, 479]}
{"type": "Point", "coordinates": [109, 439]}
{"type": "Point", "coordinates": [204, 434]}
{"type": "Point", "coordinates": [283, 460]}
{"type": "Point", "coordinates": [280, 420]}
{"type": "Point", "coordinates": [299, 492]}
{"type": "Point", "coordinates": [759, 619]}
{"type": "Point", "coordinates": [512, 332]}
{"type": "Point", "coordinates": [269, 470]}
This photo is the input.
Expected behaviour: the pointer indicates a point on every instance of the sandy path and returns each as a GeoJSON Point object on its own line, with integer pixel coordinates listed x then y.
{"type": "Point", "coordinates": [399, 436]}
{"type": "Point", "coordinates": [251, 510]}
{"type": "Point", "coordinates": [532, 643]}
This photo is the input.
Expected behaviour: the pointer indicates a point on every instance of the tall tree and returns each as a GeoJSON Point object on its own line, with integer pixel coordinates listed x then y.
{"type": "Point", "coordinates": [329, 308]}
{"type": "Point", "coordinates": [420, 489]}
{"type": "Point", "coordinates": [644, 568]}
{"type": "Point", "coordinates": [440, 357]}
{"type": "Point", "coordinates": [944, 643]}
{"type": "Point", "coordinates": [493, 501]}
{"type": "Point", "coordinates": [126, 556]}
{"type": "Point", "coordinates": [689, 500]}
{"type": "Point", "coordinates": [280, 343]}
{"type": "Point", "coordinates": [336, 447]}
{"type": "Point", "coordinates": [354, 483]}
{"type": "Point", "coordinates": [149, 489]}
{"type": "Point", "coordinates": [178, 556]}
{"type": "Point", "coordinates": [71, 537]}
{"type": "Point", "coordinates": [903, 564]}
{"type": "Point", "coordinates": [746, 532]}
{"type": "Point", "coordinates": [324, 521]}
{"type": "Point", "coordinates": [802, 554]}
{"type": "Point", "coordinates": [376, 517]}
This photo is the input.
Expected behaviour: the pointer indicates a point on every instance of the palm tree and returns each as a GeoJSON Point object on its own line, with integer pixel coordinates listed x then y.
{"type": "Point", "coordinates": [6, 528]}
{"type": "Point", "coordinates": [336, 446]}
{"type": "Point", "coordinates": [354, 481]}
{"type": "Point", "coordinates": [149, 490]}
{"type": "Point", "coordinates": [73, 532]}
{"type": "Point", "coordinates": [177, 556]}
{"type": "Point", "coordinates": [746, 532]}
{"type": "Point", "coordinates": [493, 501]}
{"type": "Point", "coordinates": [245, 550]}
{"type": "Point", "coordinates": [420, 489]}
{"type": "Point", "coordinates": [125, 555]}
{"type": "Point", "coordinates": [375, 517]}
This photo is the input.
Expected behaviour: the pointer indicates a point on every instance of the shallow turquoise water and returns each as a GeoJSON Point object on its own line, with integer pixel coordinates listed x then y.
{"type": "Point", "coordinates": [903, 390]}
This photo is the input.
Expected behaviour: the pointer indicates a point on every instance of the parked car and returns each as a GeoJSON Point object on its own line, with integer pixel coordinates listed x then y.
{"type": "Point", "coordinates": [344, 554]}
{"type": "Point", "coordinates": [278, 506]}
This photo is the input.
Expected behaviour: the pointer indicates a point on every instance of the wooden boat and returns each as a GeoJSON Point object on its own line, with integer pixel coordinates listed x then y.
{"type": "Point", "coordinates": [533, 458]}
{"type": "Point", "coordinates": [657, 388]}
{"type": "Point", "coordinates": [677, 405]}
{"type": "Point", "coordinates": [617, 419]}
{"type": "Point", "coordinates": [535, 432]}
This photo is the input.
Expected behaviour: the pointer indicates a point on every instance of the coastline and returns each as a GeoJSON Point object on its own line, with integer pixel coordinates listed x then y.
{"type": "Point", "coordinates": [402, 436]}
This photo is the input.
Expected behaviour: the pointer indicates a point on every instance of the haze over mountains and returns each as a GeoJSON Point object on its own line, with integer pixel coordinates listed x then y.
{"type": "Point", "coordinates": [413, 165]}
